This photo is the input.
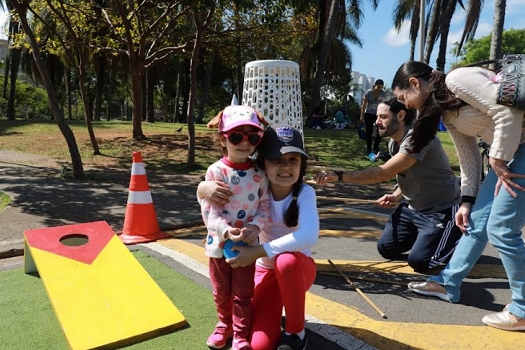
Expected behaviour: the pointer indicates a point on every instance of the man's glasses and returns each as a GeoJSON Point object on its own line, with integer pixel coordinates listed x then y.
{"type": "Point", "coordinates": [237, 137]}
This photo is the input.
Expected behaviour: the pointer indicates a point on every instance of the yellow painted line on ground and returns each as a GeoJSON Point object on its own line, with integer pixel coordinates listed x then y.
{"type": "Point", "coordinates": [387, 335]}
{"type": "Point", "coordinates": [194, 251]}
{"type": "Point", "coordinates": [201, 231]}
{"type": "Point", "coordinates": [384, 335]}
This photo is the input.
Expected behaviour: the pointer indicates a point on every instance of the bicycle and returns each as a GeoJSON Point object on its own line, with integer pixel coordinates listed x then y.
{"type": "Point", "coordinates": [485, 165]}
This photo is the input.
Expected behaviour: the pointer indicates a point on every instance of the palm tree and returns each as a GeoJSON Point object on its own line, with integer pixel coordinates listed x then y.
{"type": "Point", "coordinates": [497, 31]}
{"type": "Point", "coordinates": [408, 10]}
{"type": "Point", "coordinates": [438, 25]}
{"type": "Point", "coordinates": [328, 29]}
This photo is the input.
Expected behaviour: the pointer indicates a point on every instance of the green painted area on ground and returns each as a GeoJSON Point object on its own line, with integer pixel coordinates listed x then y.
{"type": "Point", "coordinates": [27, 320]}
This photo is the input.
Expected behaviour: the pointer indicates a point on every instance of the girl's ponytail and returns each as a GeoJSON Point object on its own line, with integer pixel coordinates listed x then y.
{"type": "Point", "coordinates": [291, 216]}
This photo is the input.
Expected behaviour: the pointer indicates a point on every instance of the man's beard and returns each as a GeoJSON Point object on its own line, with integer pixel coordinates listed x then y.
{"type": "Point", "coordinates": [390, 129]}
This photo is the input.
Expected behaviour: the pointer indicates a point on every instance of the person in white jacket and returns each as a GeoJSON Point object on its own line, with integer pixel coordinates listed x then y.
{"type": "Point", "coordinates": [466, 99]}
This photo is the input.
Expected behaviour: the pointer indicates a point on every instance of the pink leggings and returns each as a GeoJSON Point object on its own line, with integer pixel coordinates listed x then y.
{"type": "Point", "coordinates": [286, 285]}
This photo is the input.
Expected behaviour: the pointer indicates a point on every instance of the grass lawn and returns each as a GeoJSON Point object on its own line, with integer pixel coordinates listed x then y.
{"type": "Point", "coordinates": [27, 320]}
{"type": "Point", "coordinates": [166, 148]}
{"type": "Point", "coordinates": [4, 200]}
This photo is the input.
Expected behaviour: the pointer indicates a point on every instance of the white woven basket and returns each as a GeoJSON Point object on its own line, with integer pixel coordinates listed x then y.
{"type": "Point", "coordinates": [273, 87]}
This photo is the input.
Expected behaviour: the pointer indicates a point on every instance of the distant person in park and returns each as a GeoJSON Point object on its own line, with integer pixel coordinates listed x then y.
{"type": "Point", "coordinates": [466, 98]}
{"type": "Point", "coordinates": [342, 119]}
{"type": "Point", "coordinates": [242, 219]}
{"type": "Point", "coordinates": [368, 114]}
{"type": "Point", "coordinates": [318, 118]}
{"type": "Point", "coordinates": [284, 269]}
{"type": "Point", "coordinates": [424, 223]}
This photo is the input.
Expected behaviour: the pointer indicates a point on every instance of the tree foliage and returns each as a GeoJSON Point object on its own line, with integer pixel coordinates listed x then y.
{"type": "Point", "coordinates": [477, 50]}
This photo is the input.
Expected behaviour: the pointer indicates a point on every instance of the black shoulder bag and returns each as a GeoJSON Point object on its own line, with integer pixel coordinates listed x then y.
{"type": "Point", "coordinates": [511, 91]}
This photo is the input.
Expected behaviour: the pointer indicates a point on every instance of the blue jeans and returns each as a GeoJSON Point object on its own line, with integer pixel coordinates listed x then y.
{"type": "Point", "coordinates": [501, 219]}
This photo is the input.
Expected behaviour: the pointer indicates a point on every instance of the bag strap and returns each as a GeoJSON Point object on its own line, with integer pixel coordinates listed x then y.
{"type": "Point", "coordinates": [484, 63]}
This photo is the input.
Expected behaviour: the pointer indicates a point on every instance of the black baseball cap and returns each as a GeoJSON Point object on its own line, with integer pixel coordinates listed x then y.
{"type": "Point", "coordinates": [281, 140]}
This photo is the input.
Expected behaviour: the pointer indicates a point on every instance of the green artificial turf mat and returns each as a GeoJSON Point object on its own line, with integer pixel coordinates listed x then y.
{"type": "Point", "coordinates": [27, 320]}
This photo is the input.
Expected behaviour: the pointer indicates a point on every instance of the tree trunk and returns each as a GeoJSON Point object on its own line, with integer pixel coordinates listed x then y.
{"type": "Point", "coordinates": [329, 33]}
{"type": "Point", "coordinates": [497, 32]}
{"type": "Point", "coordinates": [87, 108]}
{"type": "Point", "coordinates": [238, 71]}
{"type": "Point", "coordinates": [15, 63]}
{"type": "Point", "coordinates": [136, 96]}
{"type": "Point", "coordinates": [191, 99]}
{"type": "Point", "coordinates": [432, 29]}
{"type": "Point", "coordinates": [185, 92]}
{"type": "Point", "coordinates": [109, 98]}
{"type": "Point", "coordinates": [205, 87]}
{"type": "Point", "coordinates": [69, 93]}
{"type": "Point", "coordinates": [144, 96]}
{"type": "Point", "coordinates": [99, 87]}
{"type": "Point", "coordinates": [178, 90]}
{"type": "Point", "coordinates": [200, 29]}
{"type": "Point", "coordinates": [445, 27]}
{"type": "Point", "coordinates": [150, 98]}
{"type": "Point", "coordinates": [76, 160]}
{"type": "Point", "coordinates": [414, 29]}
{"type": "Point", "coordinates": [6, 75]}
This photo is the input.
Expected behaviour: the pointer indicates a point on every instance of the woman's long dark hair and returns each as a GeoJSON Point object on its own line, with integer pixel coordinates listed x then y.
{"type": "Point", "coordinates": [440, 99]}
{"type": "Point", "coordinates": [291, 216]}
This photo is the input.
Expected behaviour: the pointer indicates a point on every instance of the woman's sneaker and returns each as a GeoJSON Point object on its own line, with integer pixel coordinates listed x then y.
{"type": "Point", "coordinates": [292, 342]}
{"type": "Point", "coordinates": [505, 320]}
{"type": "Point", "coordinates": [429, 288]}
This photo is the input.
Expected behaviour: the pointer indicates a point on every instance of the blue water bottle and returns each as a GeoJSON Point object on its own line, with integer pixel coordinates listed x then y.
{"type": "Point", "coordinates": [372, 157]}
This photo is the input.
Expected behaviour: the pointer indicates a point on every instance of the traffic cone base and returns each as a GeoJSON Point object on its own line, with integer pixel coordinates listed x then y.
{"type": "Point", "coordinates": [134, 239]}
{"type": "Point", "coordinates": [140, 223]}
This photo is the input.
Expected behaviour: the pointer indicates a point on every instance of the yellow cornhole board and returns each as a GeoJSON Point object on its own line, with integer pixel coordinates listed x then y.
{"type": "Point", "coordinates": [100, 293]}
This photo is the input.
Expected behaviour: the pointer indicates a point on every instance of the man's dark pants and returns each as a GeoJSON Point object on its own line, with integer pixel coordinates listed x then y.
{"type": "Point", "coordinates": [430, 237]}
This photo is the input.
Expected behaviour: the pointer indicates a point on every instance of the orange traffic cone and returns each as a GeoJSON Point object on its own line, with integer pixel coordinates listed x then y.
{"type": "Point", "coordinates": [140, 223]}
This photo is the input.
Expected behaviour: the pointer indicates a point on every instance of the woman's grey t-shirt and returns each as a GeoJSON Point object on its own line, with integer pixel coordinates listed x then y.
{"type": "Point", "coordinates": [429, 186]}
{"type": "Point", "coordinates": [371, 102]}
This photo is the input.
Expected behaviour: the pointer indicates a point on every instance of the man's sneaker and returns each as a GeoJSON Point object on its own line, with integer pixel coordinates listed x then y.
{"type": "Point", "coordinates": [505, 320]}
{"type": "Point", "coordinates": [429, 288]}
{"type": "Point", "coordinates": [292, 342]}
{"type": "Point", "coordinates": [219, 337]}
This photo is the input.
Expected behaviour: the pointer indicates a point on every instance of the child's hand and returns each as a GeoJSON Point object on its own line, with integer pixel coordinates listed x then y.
{"type": "Point", "coordinates": [247, 256]}
{"type": "Point", "coordinates": [251, 232]}
{"type": "Point", "coordinates": [235, 234]}
{"type": "Point", "coordinates": [217, 192]}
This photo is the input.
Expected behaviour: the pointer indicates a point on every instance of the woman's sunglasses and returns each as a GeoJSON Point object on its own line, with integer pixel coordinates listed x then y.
{"type": "Point", "coordinates": [236, 137]}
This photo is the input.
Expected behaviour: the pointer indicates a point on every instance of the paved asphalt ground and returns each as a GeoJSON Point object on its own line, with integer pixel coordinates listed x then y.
{"type": "Point", "coordinates": [348, 236]}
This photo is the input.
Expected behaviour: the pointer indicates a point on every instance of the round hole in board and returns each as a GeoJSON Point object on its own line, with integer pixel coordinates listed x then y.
{"type": "Point", "coordinates": [74, 239]}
